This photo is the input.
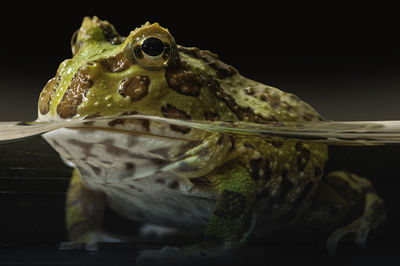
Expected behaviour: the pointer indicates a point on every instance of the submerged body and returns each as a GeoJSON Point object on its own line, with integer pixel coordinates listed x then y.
{"type": "Point", "coordinates": [182, 177]}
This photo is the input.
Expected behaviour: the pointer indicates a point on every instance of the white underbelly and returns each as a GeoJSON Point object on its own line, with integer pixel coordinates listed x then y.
{"type": "Point", "coordinates": [150, 202]}
{"type": "Point", "coordinates": [129, 169]}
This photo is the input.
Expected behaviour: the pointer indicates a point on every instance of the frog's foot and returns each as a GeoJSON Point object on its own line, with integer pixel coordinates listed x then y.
{"type": "Point", "coordinates": [373, 216]}
{"type": "Point", "coordinates": [84, 215]}
{"type": "Point", "coordinates": [354, 193]}
{"type": "Point", "coordinates": [206, 252]}
{"type": "Point", "coordinates": [90, 240]}
{"type": "Point", "coordinates": [229, 228]}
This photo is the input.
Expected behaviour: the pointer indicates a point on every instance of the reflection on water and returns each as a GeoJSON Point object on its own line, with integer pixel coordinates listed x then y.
{"type": "Point", "coordinates": [330, 132]}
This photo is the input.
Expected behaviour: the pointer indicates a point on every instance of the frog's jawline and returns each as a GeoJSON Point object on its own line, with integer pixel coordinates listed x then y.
{"type": "Point", "coordinates": [129, 170]}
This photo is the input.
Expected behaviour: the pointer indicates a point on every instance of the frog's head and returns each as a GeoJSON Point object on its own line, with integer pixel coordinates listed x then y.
{"type": "Point", "coordinates": [148, 73]}
{"type": "Point", "coordinates": [145, 73]}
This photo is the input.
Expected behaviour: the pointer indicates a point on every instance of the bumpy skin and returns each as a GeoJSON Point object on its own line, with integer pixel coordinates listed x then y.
{"type": "Point", "coordinates": [224, 184]}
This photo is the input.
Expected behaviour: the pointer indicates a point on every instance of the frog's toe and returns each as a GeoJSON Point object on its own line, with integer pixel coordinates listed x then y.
{"type": "Point", "coordinates": [90, 240]}
{"type": "Point", "coordinates": [373, 217]}
{"type": "Point", "coordinates": [359, 227]}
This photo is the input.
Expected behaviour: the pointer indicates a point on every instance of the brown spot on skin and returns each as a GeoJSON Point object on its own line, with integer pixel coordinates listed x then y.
{"type": "Point", "coordinates": [116, 122]}
{"type": "Point", "coordinates": [220, 139]}
{"type": "Point", "coordinates": [248, 146]}
{"type": "Point", "coordinates": [95, 169]}
{"type": "Point", "coordinates": [223, 70]}
{"type": "Point", "coordinates": [260, 164]}
{"type": "Point", "coordinates": [188, 146]}
{"type": "Point", "coordinates": [132, 187]}
{"type": "Point", "coordinates": [303, 159]}
{"type": "Point", "coordinates": [231, 205]}
{"type": "Point", "coordinates": [203, 152]}
{"type": "Point", "coordinates": [201, 182]}
{"type": "Point", "coordinates": [242, 113]}
{"type": "Point", "coordinates": [212, 116]}
{"type": "Point", "coordinates": [170, 111]}
{"type": "Point", "coordinates": [298, 146]}
{"type": "Point", "coordinates": [145, 123]}
{"type": "Point", "coordinates": [80, 85]}
{"type": "Point", "coordinates": [274, 100]}
{"type": "Point", "coordinates": [114, 150]}
{"type": "Point", "coordinates": [158, 161]}
{"type": "Point", "coordinates": [174, 184]}
{"type": "Point", "coordinates": [45, 96]}
{"type": "Point", "coordinates": [110, 33]}
{"type": "Point", "coordinates": [303, 196]}
{"type": "Point", "coordinates": [116, 63]}
{"type": "Point", "coordinates": [85, 146]}
{"type": "Point", "coordinates": [117, 151]}
{"type": "Point", "coordinates": [277, 144]}
{"type": "Point", "coordinates": [267, 170]}
{"type": "Point", "coordinates": [160, 180]}
{"type": "Point", "coordinates": [186, 167]}
{"type": "Point", "coordinates": [90, 123]}
{"type": "Point", "coordinates": [285, 187]}
{"type": "Point", "coordinates": [308, 117]}
{"type": "Point", "coordinates": [249, 91]}
{"type": "Point", "coordinates": [129, 166]}
{"type": "Point", "coordinates": [183, 80]}
{"type": "Point", "coordinates": [134, 87]}
{"type": "Point", "coordinates": [263, 98]}
{"type": "Point", "coordinates": [255, 166]}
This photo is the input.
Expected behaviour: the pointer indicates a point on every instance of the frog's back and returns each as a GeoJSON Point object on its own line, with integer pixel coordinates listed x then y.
{"type": "Point", "coordinates": [247, 99]}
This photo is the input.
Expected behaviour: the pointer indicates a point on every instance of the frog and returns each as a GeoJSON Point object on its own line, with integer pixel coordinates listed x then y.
{"type": "Point", "coordinates": [226, 187]}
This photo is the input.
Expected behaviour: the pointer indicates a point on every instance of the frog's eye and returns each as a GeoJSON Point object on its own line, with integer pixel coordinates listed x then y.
{"type": "Point", "coordinates": [154, 47]}
{"type": "Point", "coordinates": [153, 52]}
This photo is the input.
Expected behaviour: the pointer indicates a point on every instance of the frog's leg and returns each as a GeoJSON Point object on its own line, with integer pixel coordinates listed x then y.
{"type": "Point", "coordinates": [233, 219]}
{"type": "Point", "coordinates": [349, 202]}
{"type": "Point", "coordinates": [84, 214]}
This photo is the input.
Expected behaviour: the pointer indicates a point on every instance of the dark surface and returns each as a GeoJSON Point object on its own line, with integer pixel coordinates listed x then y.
{"type": "Point", "coordinates": [33, 181]}
{"type": "Point", "coordinates": [343, 60]}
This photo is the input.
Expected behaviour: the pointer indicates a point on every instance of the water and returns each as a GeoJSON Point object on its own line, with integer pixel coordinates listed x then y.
{"type": "Point", "coordinates": [330, 132]}
{"type": "Point", "coordinates": [34, 181]}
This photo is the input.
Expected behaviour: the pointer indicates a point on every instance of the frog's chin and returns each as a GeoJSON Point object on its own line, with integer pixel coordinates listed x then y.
{"type": "Point", "coordinates": [109, 156]}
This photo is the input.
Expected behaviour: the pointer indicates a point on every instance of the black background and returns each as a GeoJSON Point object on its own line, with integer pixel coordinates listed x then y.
{"type": "Point", "coordinates": [344, 60]}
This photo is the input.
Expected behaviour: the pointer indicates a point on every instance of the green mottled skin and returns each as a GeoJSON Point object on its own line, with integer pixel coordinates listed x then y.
{"type": "Point", "coordinates": [271, 178]}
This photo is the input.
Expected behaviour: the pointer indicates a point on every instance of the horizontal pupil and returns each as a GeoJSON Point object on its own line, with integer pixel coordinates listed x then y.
{"type": "Point", "coordinates": [153, 46]}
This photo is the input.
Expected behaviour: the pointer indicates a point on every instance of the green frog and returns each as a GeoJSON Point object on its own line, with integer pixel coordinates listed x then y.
{"type": "Point", "coordinates": [225, 186]}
